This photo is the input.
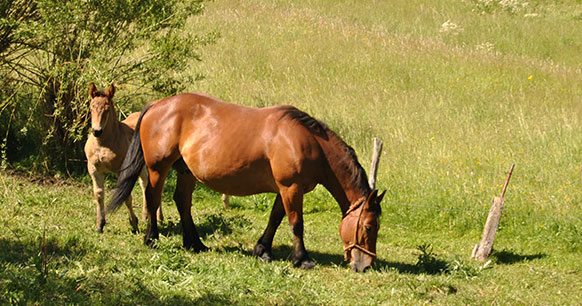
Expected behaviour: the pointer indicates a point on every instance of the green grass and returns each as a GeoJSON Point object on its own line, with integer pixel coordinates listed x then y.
{"type": "Point", "coordinates": [455, 108]}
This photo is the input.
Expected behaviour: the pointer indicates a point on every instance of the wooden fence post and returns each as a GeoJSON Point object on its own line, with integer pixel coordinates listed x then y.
{"type": "Point", "coordinates": [483, 249]}
{"type": "Point", "coordinates": [375, 162]}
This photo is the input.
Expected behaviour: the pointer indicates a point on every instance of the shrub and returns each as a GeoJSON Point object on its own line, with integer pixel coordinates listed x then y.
{"type": "Point", "coordinates": [52, 49]}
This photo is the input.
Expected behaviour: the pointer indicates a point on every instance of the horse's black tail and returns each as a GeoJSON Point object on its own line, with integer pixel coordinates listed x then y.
{"type": "Point", "coordinates": [130, 169]}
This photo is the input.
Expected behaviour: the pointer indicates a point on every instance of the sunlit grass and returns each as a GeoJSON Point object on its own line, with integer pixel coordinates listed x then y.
{"type": "Point", "coordinates": [455, 108]}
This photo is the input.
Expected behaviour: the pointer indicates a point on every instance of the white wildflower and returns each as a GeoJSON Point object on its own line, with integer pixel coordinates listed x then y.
{"type": "Point", "coordinates": [485, 47]}
{"type": "Point", "coordinates": [530, 15]}
{"type": "Point", "coordinates": [450, 27]}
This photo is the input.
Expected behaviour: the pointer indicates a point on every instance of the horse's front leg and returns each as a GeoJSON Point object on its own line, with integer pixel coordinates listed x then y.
{"type": "Point", "coordinates": [292, 197]}
{"type": "Point", "coordinates": [264, 245]}
{"type": "Point", "coordinates": [185, 185]}
{"type": "Point", "coordinates": [98, 179]}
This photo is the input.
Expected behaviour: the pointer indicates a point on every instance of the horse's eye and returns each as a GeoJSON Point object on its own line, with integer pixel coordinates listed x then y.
{"type": "Point", "coordinates": [367, 227]}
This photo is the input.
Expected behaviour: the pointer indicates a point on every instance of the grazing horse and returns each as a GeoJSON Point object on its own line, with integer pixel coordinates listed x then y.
{"type": "Point", "coordinates": [106, 147]}
{"type": "Point", "coordinates": [240, 150]}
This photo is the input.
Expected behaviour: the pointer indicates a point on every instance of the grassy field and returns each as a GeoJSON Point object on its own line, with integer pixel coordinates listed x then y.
{"type": "Point", "coordinates": [458, 90]}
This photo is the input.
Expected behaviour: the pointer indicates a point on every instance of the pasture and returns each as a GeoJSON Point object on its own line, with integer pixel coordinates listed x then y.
{"type": "Point", "coordinates": [457, 90]}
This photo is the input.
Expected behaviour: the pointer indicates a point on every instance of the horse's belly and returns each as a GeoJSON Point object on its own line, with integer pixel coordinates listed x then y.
{"type": "Point", "coordinates": [243, 179]}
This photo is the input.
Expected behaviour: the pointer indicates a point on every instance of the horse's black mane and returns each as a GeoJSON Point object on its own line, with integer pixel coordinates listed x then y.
{"type": "Point", "coordinates": [349, 160]}
{"type": "Point", "coordinates": [313, 125]}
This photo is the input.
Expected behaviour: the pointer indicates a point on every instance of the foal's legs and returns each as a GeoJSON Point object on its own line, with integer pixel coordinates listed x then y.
{"type": "Point", "coordinates": [265, 243]}
{"type": "Point", "coordinates": [185, 185]}
{"type": "Point", "coordinates": [98, 179]}
{"type": "Point", "coordinates": [132, 218]}
{"type": "Point", "coordinates": [292, 197]}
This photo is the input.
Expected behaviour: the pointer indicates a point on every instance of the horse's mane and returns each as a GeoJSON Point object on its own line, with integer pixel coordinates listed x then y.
{"type": "Point", "coordinates": [347, 159]}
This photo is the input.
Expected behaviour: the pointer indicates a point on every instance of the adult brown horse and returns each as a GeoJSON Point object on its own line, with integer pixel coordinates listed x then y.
{"type": "Point", "coordinates": [239, 150]}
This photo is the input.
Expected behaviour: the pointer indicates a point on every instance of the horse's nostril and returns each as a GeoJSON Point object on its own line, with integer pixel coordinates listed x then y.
{"type": "Point", "coordinates": [97, 133]}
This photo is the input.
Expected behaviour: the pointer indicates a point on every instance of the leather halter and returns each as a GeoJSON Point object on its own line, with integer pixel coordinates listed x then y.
{"type": "Point", "coordinates": [355, 245]}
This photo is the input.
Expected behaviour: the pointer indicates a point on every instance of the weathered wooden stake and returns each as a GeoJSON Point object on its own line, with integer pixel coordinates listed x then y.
{"type": "Point", "coordinates": [375, 162]}
{"type": "Point", "coordinates": [483, 249]}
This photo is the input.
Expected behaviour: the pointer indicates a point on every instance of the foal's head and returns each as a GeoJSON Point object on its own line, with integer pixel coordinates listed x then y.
{"type": "Point", "coordinates": [359, 231]}
{"type": "Point", "coordinates": [102, 109]}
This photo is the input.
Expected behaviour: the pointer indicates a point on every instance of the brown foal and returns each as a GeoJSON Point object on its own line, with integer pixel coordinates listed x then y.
{"type": "Point", "coordinates": [105, 150]}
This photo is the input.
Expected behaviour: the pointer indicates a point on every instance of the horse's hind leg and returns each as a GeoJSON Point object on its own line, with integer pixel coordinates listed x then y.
{"type": "Point", "coordinates": [143, 183]}
{"type": "Point", "coordinates": [265, 243]}
{"type": "Point", "coordinates": [132, 218]}
{"type": "Point", "coordinates": [98, 179]}
{"type": "Point", "coordinates": [143, 178]}
{"type": "Point", "coordinates": [185, 185]}
{"type": "Point", "coordinates": [153, 199]}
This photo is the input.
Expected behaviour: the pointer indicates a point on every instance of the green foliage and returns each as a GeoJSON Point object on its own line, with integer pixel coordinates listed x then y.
{"type": "Point", "coordinates": [51, 50]}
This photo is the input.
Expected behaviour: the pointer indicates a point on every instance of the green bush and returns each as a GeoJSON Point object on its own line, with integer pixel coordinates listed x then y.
{"type": "Point", "coordinates": [52, 49]}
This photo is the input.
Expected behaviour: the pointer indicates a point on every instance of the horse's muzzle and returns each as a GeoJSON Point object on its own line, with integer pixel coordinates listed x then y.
{"type": "Point", "coordinates": [97, 133]}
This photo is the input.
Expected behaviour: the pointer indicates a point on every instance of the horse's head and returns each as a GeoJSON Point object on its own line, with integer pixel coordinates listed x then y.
{"type": "Point", "coordinates": [102, 109]}
{"type": "Point", "coordinates": [359, 231]}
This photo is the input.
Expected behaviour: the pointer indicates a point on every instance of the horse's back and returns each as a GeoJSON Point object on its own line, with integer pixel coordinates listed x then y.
{"type": "Point", "coordinates": [231, 148]}
{"type": "Point", "coordinates": [131, 120]}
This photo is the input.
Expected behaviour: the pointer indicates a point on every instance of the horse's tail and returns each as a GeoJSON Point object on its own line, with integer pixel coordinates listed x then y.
{"type": "Point", "coordinates": [130, 169]}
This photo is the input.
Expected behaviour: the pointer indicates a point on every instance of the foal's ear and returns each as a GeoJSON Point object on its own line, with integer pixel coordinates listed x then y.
{"type": "Point", "coordinates": [110, 91]}
{"type": "Point", "coordinates": [92, 90]}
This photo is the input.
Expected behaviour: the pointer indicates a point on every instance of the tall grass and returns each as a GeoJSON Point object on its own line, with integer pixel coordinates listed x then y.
{"type": "Point", "coordinates": [457, 90]}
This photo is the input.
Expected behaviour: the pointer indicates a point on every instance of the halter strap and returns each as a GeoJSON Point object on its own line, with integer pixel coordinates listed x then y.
{"type": "Point", "coordinates": [355, 245]}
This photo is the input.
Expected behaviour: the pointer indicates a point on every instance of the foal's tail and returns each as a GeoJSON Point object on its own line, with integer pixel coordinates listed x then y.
{"type": "Point", "coordinates": [130, 169]}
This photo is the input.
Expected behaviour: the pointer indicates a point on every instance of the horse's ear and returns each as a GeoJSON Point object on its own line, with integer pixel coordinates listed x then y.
{"type": "Point", "coordinates": [372, 196]}
{"type": "Point", "coordinates": [369, 204]}
{"type": "Point", "coordinates": [380, 197]}
{"type": "Point", "coordinates": [110, 91]}
{"type": "Point", "coordinates": [373, 202]}
{"type": "Point", "coordinates": [92, 90]}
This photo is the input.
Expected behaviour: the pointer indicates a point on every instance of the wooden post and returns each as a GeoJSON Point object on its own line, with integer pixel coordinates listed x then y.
{"type": "Point", "coordinates": [375, 162]}
{"type": "Point", "coordinates": [225, 201]}
{"type": "Point", "coordinates": [483, 249]}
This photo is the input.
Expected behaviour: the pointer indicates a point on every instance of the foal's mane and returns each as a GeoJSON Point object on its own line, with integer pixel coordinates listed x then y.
{"type": "Point", "coordinates": [347, 159]}
{"type": "Point", "coordinates": [100, 93]}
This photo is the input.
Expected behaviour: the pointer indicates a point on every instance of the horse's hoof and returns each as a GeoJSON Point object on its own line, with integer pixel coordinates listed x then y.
{"type": "Point", "coordinates": [307, 264]}
{"type": "Point", "coordinates": [304, 262]}
{"type": "Point", "coordinates": [197, 248]}
{"type": "Point", "coordinates": [100, 225]}
{"type": "Point", "coordinates": [152, 243]}
{"type": "Point", "coordinates": [262, 252]}
{"type": "Point", "coordinates": [134, 228]}
{"type": "Point", "coordinates": [201, 248]}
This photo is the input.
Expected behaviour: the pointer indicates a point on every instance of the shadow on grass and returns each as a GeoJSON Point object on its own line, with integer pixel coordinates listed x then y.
{"type": "Point", "coordinates": [212, 223]}
{"type": "Point", "coordinates": [27, 280]}
{"type": "Point", "coordinates": [18, 252]}
{"type": "Point", "coordinates": [29, 274]}
{"type": "Point", "coordinates": [283, 253]}
{"type": "Point", "coordinates": [510, 257]}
